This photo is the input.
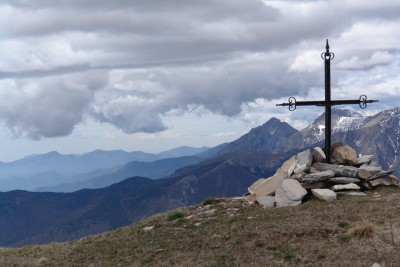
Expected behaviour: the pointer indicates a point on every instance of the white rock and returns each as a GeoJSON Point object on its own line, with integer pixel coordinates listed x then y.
{"type": "Point", "coordinates": [148, 228]}
{"type": "Point", "coordinates": [304, 161]}
{"type": "Point", "coordinates": [289, 193]}
{"type": "Point", "coordinates": [288, 166]}
{"type": "Point", "coordinates": [340, 187]}
{"type": "Point", "coordinates": [268, 186]}
{"type": "Point", "coordinates": [252, 188]}
{"type": "Point", "coordinates": [365, 171]}
{"type": "Point", "coordinates": [324, 194]}
{"type": "Point", "coordinates": [239, 198]}
{"type": "Point", "coordinates": [266, 201]}
{"type": "Point", "coordinates": [319, 155]}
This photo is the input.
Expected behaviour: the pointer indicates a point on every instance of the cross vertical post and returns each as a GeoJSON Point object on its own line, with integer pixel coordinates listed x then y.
{"type": "Point", "coordinates": [327, 56]}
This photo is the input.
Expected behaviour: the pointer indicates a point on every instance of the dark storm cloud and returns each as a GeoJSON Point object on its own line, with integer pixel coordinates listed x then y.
{"type": "Point", "coordinates": [152, 57]}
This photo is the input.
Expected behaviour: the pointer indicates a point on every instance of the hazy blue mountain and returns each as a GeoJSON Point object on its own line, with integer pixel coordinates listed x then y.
{"type": "Point", "coordinates": [182, 151]}
{"type": "Point", "coordinates": [50, 178]}
{"type": "Point", "coordinates": [154, 170]}
{"type": "Point", "coordinates": [53, 168]}
{"type": "Point", "coordinates": [69, 165]}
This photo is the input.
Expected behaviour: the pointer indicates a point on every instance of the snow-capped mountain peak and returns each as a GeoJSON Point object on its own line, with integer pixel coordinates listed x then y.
{"type": "Point", "coordinates": [342, 121]}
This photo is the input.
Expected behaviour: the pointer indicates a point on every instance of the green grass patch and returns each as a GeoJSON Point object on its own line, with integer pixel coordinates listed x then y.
{"type": "Point", "coordinates": [175, 215]}
{"type": "Point", "coordinates": [344, 224]}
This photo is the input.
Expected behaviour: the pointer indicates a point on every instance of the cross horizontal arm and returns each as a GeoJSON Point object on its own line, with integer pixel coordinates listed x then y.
{"type": "Point", "coordinates": [327, 103]}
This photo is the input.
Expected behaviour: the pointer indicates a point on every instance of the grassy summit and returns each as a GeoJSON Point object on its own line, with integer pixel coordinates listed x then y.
{"type": "Point", "coordinates": [352, 231]}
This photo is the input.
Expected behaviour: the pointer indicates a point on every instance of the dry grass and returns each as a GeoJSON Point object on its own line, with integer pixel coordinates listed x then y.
{"type": "Point", "coordinates": [353, 231]}
{"type": "Point", "coordinates": [365, 230]}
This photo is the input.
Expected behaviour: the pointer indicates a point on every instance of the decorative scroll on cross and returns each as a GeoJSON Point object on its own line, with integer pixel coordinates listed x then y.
{"type": "Point", "coordinates": [327, 103]}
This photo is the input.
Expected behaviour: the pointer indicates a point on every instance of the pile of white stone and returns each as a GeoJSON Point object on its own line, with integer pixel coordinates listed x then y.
{"type": "Point", "coordinates": [307, 173]}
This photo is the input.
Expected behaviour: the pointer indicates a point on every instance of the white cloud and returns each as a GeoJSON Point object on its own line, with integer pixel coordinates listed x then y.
{"type": "Point", "coordinates": [132, 64]}
{"type": "Point", "coordinates": [47, 107]}
{"type": "Point", "coordinates": [377, 58]}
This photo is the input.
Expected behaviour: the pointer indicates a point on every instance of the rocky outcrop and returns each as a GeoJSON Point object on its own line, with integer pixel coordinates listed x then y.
{"type": "Point", "coordinates": [267, 187]}
{"type": "Point", "coordinates": [306, 173]}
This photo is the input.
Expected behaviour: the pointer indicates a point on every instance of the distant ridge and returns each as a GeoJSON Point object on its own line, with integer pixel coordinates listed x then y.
{"type": "Point", "coordinates": [32, 172]}
{"type": "Point", "coordinates": [154, 170]}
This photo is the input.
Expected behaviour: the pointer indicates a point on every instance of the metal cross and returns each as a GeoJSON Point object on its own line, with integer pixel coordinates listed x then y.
{"type": "Point", "coordinates": [327, 103]}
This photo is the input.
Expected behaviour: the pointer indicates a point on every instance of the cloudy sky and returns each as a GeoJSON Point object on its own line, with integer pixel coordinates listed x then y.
{"type": "Point", "coordinates": [80, 75]}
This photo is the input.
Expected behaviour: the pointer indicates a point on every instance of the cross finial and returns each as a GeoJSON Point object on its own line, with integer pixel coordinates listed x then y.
{"type": "Point", "coordinates": [327, 55]}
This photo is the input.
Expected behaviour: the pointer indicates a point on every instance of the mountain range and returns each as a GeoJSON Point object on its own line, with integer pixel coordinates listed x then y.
{"type": "Point", "coordinates": [105, 177]}
{"type": "Point", "coordinates": [38, 217]}
{"type": "Point", "coordinates": [53, 169]}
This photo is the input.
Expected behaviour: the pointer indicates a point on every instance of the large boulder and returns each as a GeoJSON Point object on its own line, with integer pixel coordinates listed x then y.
{"type": "Point", "coordinates": [324, 194]}
{"type": "Point", "coordinates": [289, 193]}
{"type": "Point", "coordinates": [345, 155]}
{"type": "Point", "coordinates": [266, 201]}
{"type": "Point", "coordinates": [366, 172]}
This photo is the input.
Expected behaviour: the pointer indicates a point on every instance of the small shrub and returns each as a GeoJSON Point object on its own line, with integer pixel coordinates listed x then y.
{"type": "Point", "coordinates": [211, 201]}
{"type": "Point", "coordinates": [344, 224]}
{"type": "Point", "coordinates": [175, 215]}
{"type": "Point", "coordinates": [366, 230]}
